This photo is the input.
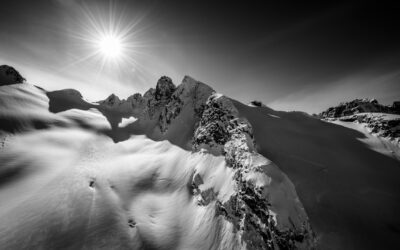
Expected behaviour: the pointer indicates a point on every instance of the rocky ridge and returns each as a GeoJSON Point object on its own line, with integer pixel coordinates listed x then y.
{"type": "Point", "coordinates": [250, 209]}
{"type": "Point", "coordinates": [381, 120]}
{"type": "Point", "coordinates": [164, 103]}
{"type": "Point", "coordinates": [360, 106]}
{"type": "Point", "coordinates": [261, 220]}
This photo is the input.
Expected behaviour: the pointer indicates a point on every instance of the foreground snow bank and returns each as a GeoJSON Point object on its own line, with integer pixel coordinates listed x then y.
{"type": "Point", "coordinates": [83, 191]}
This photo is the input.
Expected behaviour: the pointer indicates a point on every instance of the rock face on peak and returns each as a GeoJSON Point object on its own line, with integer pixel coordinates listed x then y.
{"type": "Point", "coordinates": [112, 101]}
{"type": "Point", "coordinates": [164, 89]}
{"type": "Point", "coordinates": [159, 107]}
{"type": "Point", "coordinates": [9, 75]}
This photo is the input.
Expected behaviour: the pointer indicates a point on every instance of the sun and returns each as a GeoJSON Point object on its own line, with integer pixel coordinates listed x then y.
{"type": "Point", "coordinates": [110, 46]}
{"type": "Point", "coordinates": [108, 39]}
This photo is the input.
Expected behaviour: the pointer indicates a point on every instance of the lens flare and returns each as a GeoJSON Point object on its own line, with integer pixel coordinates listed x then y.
{"type": "Point", "coordinates": [107, 38]}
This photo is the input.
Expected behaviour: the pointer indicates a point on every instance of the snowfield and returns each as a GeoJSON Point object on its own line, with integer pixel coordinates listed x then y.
{"type": "Point", "coordinates": [88, 192]}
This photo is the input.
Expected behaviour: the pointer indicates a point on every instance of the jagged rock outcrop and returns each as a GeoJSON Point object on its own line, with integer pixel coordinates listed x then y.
{"type": "Point", "coordinates": [359, 106]}
{"type": "Point", "coordinates": [164, 89]}
{"type": "Point", "coordinates": [9, 75]}
{"type": "Point", "coordinates": [256, 103]}
{"type": "Point", "coordinates": [164, 103]}
{"type": "Point", "coordinates": [111, 101]}
{"type": "Point", "coordinates": [382, 120]}
{"type": "Point", "coordinates": [258, 182]}
{"type": "Point", "coordinates": [385, 125]}
{"type": "Point", "coordinates": [218, 123]}
{"type": "Point", "coordinates": [191, 93]}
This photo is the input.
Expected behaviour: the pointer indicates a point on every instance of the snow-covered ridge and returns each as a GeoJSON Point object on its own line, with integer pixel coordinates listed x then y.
{"type": "Point", "coordinates": [263, 208]}
{"type": "Point", "coordinates": [262, 220]}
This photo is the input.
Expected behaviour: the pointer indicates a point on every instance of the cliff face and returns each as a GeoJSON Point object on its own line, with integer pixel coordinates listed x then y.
{"type": "Point", "coordinates": [264, 209]}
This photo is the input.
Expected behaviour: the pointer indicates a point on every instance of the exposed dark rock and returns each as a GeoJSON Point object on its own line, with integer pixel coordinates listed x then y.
{"type": "Point", "coordinates": [379, 118]}
{"type": "Point", "coordinates": [9, 75]}
{"type": "Point", "coordinates": [220, 131]}
{"type": "Point", "coordinates": [164, 89]}
{"type": "Point", "coordinates": [257, 103]}
{"type": "Point", "coordinates": [112, 100]}
{"type": "Point", "coordinates": [359, 106]}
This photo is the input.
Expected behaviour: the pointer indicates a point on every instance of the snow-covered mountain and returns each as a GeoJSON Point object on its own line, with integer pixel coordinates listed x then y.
{"type": "Point", "coordinates": [184, 167]}
{"type": "Point", "coordinates": [229, 196]}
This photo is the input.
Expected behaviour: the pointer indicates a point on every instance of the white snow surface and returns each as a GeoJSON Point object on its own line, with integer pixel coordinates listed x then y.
{"type": "Point", "coordinates": [126, 121]}
{"type": "Point", "coordinates": [82, 186]}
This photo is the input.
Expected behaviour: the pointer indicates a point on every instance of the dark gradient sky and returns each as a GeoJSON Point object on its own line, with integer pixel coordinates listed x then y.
{"type": "Point", "coordinates": [292, 56]}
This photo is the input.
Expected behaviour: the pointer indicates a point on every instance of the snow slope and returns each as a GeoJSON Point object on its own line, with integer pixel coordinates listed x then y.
{"type": "Point", "coordinates": [83, 191]}
{"type": "Point", "coordinates": [378, 143]}
{"type": "Point", "coordinates": [351, 193]}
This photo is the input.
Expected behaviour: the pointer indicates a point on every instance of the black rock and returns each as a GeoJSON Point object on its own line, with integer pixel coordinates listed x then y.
{"type": "Point", "coordinates": [9, 75]}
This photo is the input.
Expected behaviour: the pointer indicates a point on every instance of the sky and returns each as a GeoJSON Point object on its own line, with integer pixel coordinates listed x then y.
{"type": "Point", "coordinates": [291, 56]}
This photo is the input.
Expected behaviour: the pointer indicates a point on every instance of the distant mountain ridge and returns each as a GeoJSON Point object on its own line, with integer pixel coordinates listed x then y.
{"type": "Point", "coordinates": [382, 120]}
{"type": "Point", "coordinates": [365, 105]}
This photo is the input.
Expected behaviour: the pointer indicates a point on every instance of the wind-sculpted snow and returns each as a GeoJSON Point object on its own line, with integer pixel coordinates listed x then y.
{"type": "Point", "coordinates": [78, 190]}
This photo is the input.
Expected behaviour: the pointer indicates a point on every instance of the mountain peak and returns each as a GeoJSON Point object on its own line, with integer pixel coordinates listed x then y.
{"type": "Point", "coordinates": [164, 88]}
